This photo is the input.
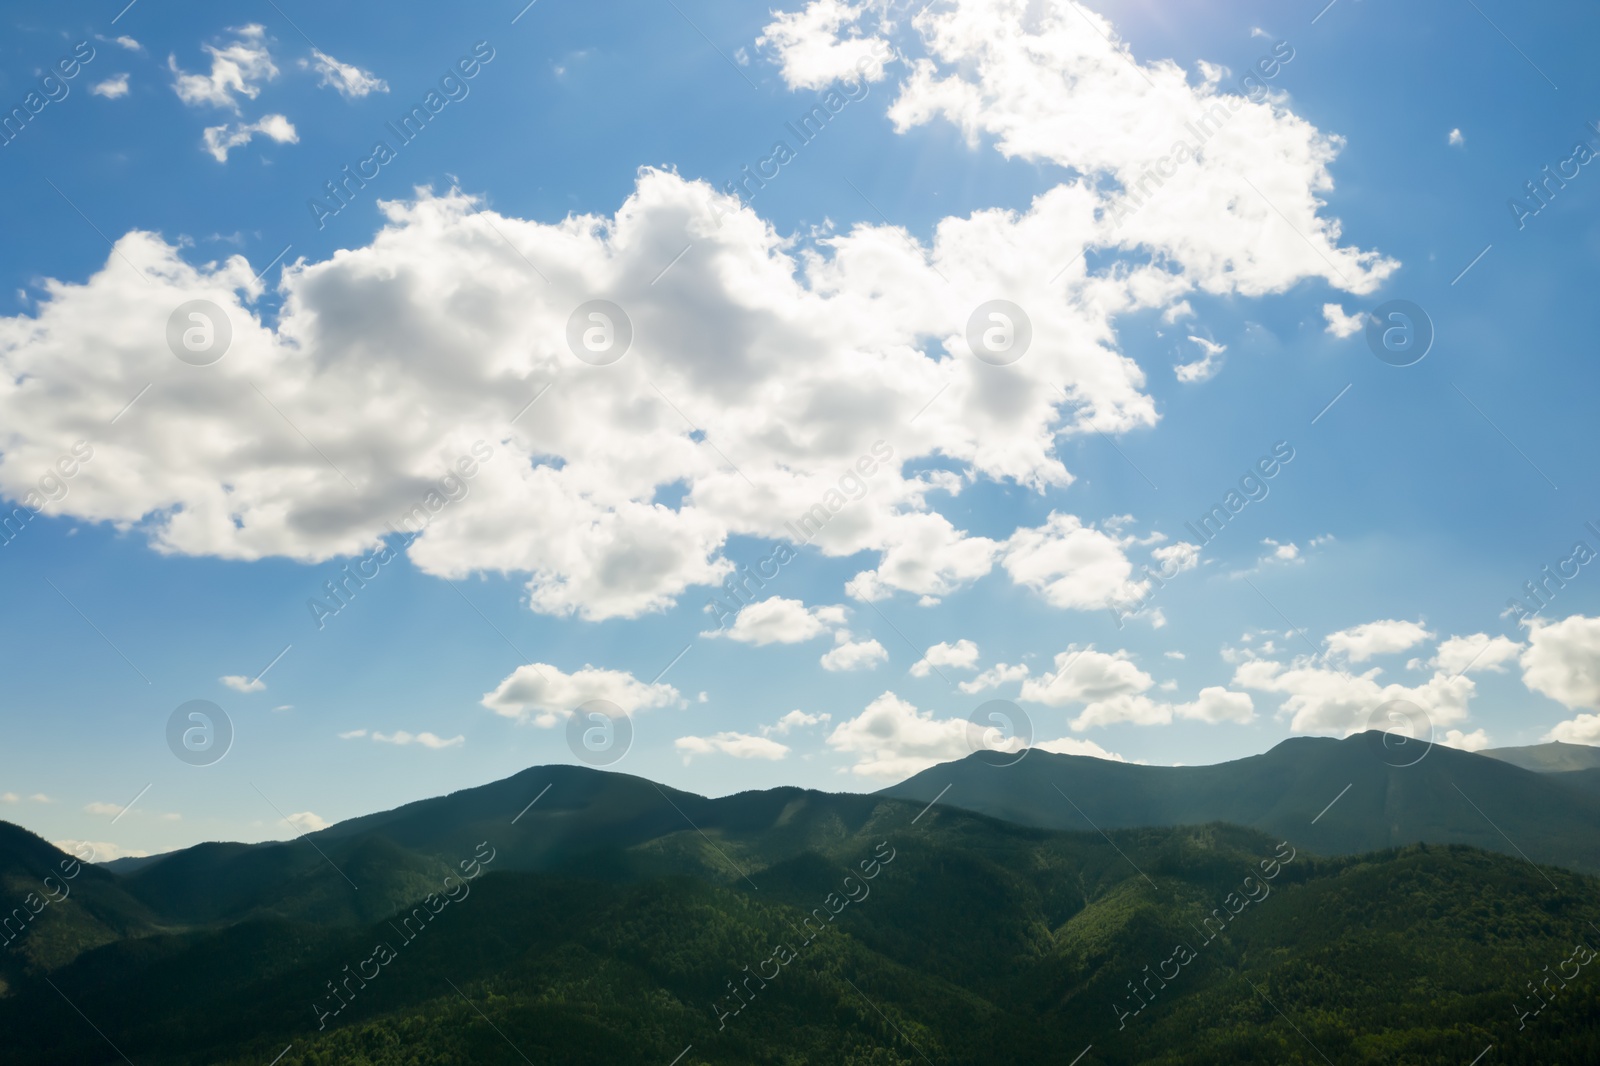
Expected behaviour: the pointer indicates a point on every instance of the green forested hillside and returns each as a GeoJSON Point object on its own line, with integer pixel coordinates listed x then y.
{"type": "Point", "coordinates": [973, 941]}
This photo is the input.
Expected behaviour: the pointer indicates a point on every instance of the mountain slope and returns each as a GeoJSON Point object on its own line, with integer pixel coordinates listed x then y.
{"type": "Point", "coordinates": [1334, 796]}
{"type": "Point", "coordinates": [54, 907]}
{"type": "Point", "coordinates": [978, 943]}
{"type": "Point", "coordinates": [1553, 757]}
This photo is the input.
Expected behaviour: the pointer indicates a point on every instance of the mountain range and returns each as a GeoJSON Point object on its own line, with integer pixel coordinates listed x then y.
{"type": "Point", "coordinates": [1339, 797]}
{"type": "Point", "coordinates": [1313, 904]}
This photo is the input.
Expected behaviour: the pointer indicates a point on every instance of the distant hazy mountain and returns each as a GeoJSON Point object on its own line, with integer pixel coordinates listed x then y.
{"type": "Point", "coordinates": [1554, 757]}
{"type": "Point", "coordinates": [1443, 796]}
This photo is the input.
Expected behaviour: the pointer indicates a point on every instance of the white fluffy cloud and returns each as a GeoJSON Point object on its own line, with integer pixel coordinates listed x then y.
{"type": "Point", "coordinates": [738, 745]}
{"type": "Point", "coordinates": [238, 67]}
{"type": "Point", "coordinates": [1329, 701]}
{"type": "Point", "coordinates": [1112, 689]}
{"type": "Point", "coordinates": [220, 140]}
{"type": "Point", "coordinates": [796, 719]}
{"type": "Point", "coordinates": [1087, 676]}
{"type": "Point", "coordinates": [997, 675]}
{"type": "Point", "coordinates": [962, 655]}
{"type": "Point", "coordinates": [851, 654]}
{"type": "Point", "coordinates": [1214, 704]}
{"type": "Point", "coordinates": [1060, 87]}
{"type": "Point", "coordinates": [1078, 746]}
{"type": "Point", "coordinates": [241, 683]}
{"type": "Point", "coordinates": [307, 821]}
{"type": "Point", "coordinates": [1362, 642]}
{"type": "Point", "coordinates": [349, 80]}
{"type": "Point", "coordinates": [1563, 661]}
{"type": "Point", "coordinates": [891, 738]}
{"type": "Point", "coordinates": [1476, 740]}
{"type": "Point", "coordinates": [1474, 653]}
{"type": "Point", "coordinates": [1341, 324]}
{"type": "Point", "coordinates": [1584, 729]}
{"type": "Point", "coordinates": [545, 694]}
{"type": "Point", "coordinates": [776, 620]}
{"type": "Point", "coordinates": [755, 336]}
{"type": "Point", "coordinates": [811, 51]}
{"type": "Point", "coordinates": [1072, 565]}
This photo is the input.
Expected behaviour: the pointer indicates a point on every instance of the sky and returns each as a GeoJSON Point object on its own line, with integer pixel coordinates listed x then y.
{"type": "Point", "coordinates": [737, 396]}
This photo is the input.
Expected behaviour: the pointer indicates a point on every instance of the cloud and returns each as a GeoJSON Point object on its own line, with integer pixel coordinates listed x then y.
{"type": "Point", "coordinates": [1584, 729]}
{"type": "Point", "coordinates": [101, 850]}
{"type": "Point", "coordinates": [1341, 324]}
{"type": "Point", "coordinates": [795, 719]}
{"type": "Point", "coordinates": [10, 797]}
{"type": "Point", "coordinates": [997, 675]}
{"type": "Point", "coordinates": [1175, 655]}
{"type": "Point", "coordinates": [854, 654]}
{"type": "Point", "coordinates": [1562, 661]}
{"type": "Point", "coordinates": [1078, 746]}
{"type": "Point", "coordinates": [40, 797]}
{"type": "Point", "coordinates": [236, 68]}
{"type": "Point", "coordinates": [427, 740]}
{"type": "Point", "coordinates": [1181, 556]}
{"type": "Point", "coordinates": [128, 43]}
{"type": "Point", "coordinates": [1206, 367]}
{"type": "Point", "coordinates": [776, 620]}
{"type": "Point", "coordinates": [754, 336]}
{"type": "Point", "coordinates": [811, 52]}
{"type": "Point", "coordinates": [106, 809]}
{"type": "Point", "coordinates": [1283, 553]}
{"type": "Point", "coordinates": [1214, 705]}
{"type": "Point", "coordinates": [544, 694]}
{"type": "Point", "coordinates": [220, 140]}
{"type": "Point", "coordinates": [891, 738]}
{"type": "Point", "coordinates": [240, 683]}
{"type": "Point", "coordinates": [349, 80]}
{"type": "Point", "coordinates": [1474, 653]}
{"type": "Point", "coordinates": [1062, 87]}
{"type": "Point", "coordinates": [926, 555]}
{"type": "Point", "coordinates": [282, 707]}
{"type": "Point", "coordinates": [738, 745]}
{"type": "Point", "coordinates": [1476, 740]}
{"type": "Point", "coordinates": [1087, 676]}
{"type": "Point", "coordinates": [1456, 139]}
{"type": "Point", "coordinates": [402, 738]}
{"type": "Point", "coordinates": [1071, 565]}
{"type": "Point", "coordinates": [1112, 689]}
{"type": "Point", "coordinates": [1323, 700]}
{"type": "Point", "coordinates": [962, 655]}
{"type": "Point", "coordinates": [307, 822]}
{"type": "Point", "coordinates": [1362, 642]}
{"type": "Point", "coordinates": [111, 88]}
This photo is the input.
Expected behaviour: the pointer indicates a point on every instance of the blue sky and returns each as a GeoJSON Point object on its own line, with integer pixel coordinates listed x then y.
{"type": "Point", "coordinates": [823, 315]}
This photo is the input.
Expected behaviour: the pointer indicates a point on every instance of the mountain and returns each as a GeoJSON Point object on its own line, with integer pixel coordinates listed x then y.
{"type": "Point", "coordinates": [575, 916]}
{"type": "Point", "coordinates": [1582, 780]}
{"type": "Point", "coordinates": [1553, 757]}
{"type": "Point", "coordinates": [1337, 797]}
{"type": "Point", "coordinates": [966, 940]}
{"type": "Point", "coordinates": [54, 907]}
